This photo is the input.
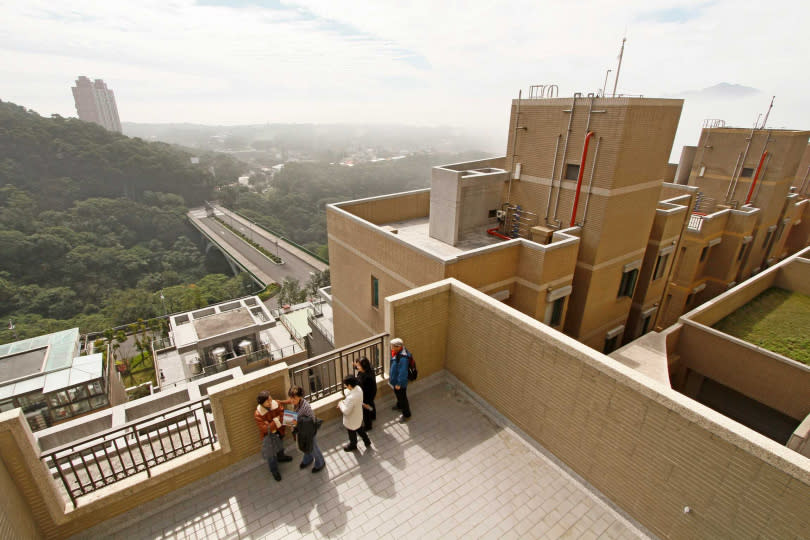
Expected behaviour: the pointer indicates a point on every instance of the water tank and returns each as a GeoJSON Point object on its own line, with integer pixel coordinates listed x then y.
{"type": "Point", "coordinates": [219, 354]}
{"type": "Point", "coordinates": [194, 366]}
{"type": "Point", "coordinates": [246, 346]}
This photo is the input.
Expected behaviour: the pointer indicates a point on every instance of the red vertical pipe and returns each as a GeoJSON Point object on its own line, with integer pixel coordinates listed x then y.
{"type": "Point", "coordinates": [756, 176]}
{"type": "Point", "coordinates": [579, 177]}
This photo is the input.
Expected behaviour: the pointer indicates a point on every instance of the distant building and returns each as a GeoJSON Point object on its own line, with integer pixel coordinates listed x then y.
{"type": "Point", "coordinates": [96, 103]}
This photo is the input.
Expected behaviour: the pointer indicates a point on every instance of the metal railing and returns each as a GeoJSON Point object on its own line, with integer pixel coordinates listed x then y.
{"type": "Point", "coordinates": [313, 321]}
{"type": "Point", "coordinates": [100, 460]}
{"type": "Point", "coordinates": [162, 344]}
{"type": "Point", "coordinates": [323, 375]}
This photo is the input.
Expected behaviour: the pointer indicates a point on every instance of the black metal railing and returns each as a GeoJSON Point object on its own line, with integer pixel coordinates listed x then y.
{"type": "Point", "coordinates": [323, 375]}
{"type": "Point", "coordinates": [100, 460]}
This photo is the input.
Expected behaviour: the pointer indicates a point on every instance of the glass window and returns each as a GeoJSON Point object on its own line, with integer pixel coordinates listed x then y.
{"type": "Point", "coordinates": [375, 292]}
{"type": "Point", "coordinates": [80, 407]}
{"type": "Point", "coordinates": [571, 171]}
{"type": "Point", "coordinates": [610, 344]}
{"type": "Point", "coordinates": [645, 324]}
{"type": "Point", "coordinates": [660, 266]}
{"type": "Point", "coordinates": [76, 393]}
{"type": "Point", "coordinates": [747, 172]}
{"type": "Point", "coordinates": [97, 402]}
{"type": "Point", "coordinates": [704, 253]}
{"type": "Point", "coordinates": [95, 388]}
{"type": "Point", "coordinates": [557, 311]}
{"type": "Point", "coordinates": [628, 283]}
{"type": "Point", "coordinates": [60, 413]}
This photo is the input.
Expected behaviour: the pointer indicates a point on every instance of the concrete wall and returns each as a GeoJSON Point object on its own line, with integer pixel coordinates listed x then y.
{"type": "Point", "coordinates": [649, 449]}
{"type": "Point", "coordinates": [16, 520]}
{"type": "Point", "coordinates": [781, 384]}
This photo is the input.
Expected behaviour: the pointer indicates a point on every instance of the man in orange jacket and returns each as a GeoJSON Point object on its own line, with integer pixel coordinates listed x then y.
{"type": "Point", "coordinates": [269, 415]}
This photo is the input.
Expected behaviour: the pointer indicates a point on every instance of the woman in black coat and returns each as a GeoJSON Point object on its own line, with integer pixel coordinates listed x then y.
{"type": "Point", "coordinates": [368, 382]}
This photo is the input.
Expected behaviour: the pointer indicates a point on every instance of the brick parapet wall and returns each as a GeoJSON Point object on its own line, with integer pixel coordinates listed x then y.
{"type": "Point", "coordinates": [649, 449]}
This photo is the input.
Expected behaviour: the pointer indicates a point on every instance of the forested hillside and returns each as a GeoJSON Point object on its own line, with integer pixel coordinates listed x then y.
{"type": "Point", "coordinates": [93, 227]}
{"type": "Point", "coordinates": [295, 204]}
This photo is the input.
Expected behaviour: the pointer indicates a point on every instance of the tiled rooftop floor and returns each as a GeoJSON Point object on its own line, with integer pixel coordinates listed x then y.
{"type": "Point", "coordinates": [450, 472]}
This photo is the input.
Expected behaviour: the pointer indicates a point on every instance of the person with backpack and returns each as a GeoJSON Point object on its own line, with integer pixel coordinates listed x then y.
{"type": "Point", "coordinates": [398, 377]}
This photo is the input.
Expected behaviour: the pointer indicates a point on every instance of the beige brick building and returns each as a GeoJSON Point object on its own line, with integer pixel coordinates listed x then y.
{"type": "Point", "coordinates": [590, 230]}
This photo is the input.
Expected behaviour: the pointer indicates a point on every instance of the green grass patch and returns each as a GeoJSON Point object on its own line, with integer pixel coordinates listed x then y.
{"type": "Point", "coordinates": [777, 320]}
{"type": "Point", "coordinates": [269, 291]}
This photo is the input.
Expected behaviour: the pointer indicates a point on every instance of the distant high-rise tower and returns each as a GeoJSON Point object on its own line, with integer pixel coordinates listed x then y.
{"type": "Point", "coordinates": [96, 103]}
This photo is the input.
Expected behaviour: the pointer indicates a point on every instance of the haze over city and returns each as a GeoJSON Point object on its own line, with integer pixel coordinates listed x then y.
{"type": "Point", "coordinates": [426, 63]}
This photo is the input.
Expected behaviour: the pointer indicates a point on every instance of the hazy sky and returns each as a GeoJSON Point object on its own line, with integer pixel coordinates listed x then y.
{"type": "Point", "coordinates": [418, 62]}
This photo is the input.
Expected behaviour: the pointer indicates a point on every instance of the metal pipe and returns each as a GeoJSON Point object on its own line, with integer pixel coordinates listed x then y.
{"type": "Point", "coordinates": [553, 169]}
{"type": "Point", "coordinates": [618, 69]}
{"type": "Point", "coordinates": [767, 114]}
{"type": "Point", "coordinates": [742, 165]}
{"type": "Point", "coordinates": [806, 176]}
{"type": "Point", "coordinates": [604, 86]}
{"type": "Point", "coordinates": [514, 145]}
{"type": "Point", "coordinates": [730, 180]}
{"type": "Point", "coordinates": [590, 112]}
{"type": "Point", "coordinates": [764, 168]}
{"type": "Point", "coordinates": [562, 166]}
{"type": "Point", "coordinates": [590, 181]}
{"type": "Point", "coordinates": [756, 176]}
{"type": "Point", "coordinates": [494, 232]}
{"type": "Point", "coordinates": [579, 177]}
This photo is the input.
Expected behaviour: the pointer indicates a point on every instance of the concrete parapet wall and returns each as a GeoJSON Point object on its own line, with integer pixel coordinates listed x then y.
{"type": "Point", "coordinates": [649, 449]}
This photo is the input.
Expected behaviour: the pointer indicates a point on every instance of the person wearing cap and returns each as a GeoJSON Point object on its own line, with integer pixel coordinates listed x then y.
{"type": "Point", "coordinates": [398, 377]}
{"type": "Point", "coordinates": [268, 416]}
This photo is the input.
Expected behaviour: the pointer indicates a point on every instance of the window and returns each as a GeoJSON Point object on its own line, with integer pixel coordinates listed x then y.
{"type": "Point", "coordinates": [554, 312]}
{"type": "Point", "coordinates": [767, 238]}
{"type": "Point", "coordinates": [660, 266]}
{"type": "Point", "coordinates": [741, 253]}
{"type": "Point", "coordinates": [690, 299]}
{"type": "Point", "coordinates": [747, 172]}
{"type": "Point", "coordinates": [628, 284]}
{"type": "Point", "coordinates": [610, 344]}
{"type": "Point", "coordinates": [645, 324]}
{"type": "Point", "coordinates": [571, 171]}
{"type": "Point", "coordinates": [704, 253]}
{"type": "Point", "coordinates": [375, 292]}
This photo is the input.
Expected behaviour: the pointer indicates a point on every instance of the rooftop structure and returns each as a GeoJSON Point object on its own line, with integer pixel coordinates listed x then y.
{"type": "Point", "coordinates": [46, 377]}
{"type": "Point", "coordinates": [96, 103]}
{"type": "Point", "coordinates": [236, 333]}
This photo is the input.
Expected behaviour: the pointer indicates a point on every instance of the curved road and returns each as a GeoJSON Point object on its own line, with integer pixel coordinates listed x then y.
{"type": "Point", "coordinates": [295, 266]}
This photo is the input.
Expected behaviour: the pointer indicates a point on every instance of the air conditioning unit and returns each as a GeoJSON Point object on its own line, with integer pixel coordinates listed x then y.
{"type": "Point", "coordinates": [500, 214]}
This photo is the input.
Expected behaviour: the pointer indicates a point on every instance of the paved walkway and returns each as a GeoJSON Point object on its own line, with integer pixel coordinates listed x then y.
{"type": "Point", "coordinates": [450, 472]}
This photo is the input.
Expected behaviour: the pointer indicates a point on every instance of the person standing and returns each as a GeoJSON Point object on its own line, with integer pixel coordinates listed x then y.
{"type": "Point", "coordinates": [352, 409]}
{"type": "Point", "coordinates": [398, 378]}
{"type": "Point", "coordinates": [306, 428]}
{"type": "Point", "coordinates": [269, 415]}
{"type": "Point", "coordinates": [368, 382]}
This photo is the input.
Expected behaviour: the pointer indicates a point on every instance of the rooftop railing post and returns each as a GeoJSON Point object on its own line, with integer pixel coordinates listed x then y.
{"type": "Point", "coordinates": [140, 449]}
{"type": "Point", "coordinates": [64, 481]}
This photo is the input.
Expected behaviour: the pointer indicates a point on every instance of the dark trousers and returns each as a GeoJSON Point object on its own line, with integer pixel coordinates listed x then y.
{"type": "Point", "coordinates": [402, 401]}
{"type": "Point", "coordinates": [369, 415]}
{"type": "Point", "coordinates": [353, 433]}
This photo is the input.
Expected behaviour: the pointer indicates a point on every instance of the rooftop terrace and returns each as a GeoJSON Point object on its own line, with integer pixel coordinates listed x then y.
{"type": "Point", "coordinates": [453, 471]}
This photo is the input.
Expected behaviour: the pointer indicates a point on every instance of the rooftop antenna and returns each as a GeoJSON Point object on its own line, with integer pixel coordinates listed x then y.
{"type": "Point", "coordinates": [765, 121]}
{"type": "Point", "coordinates": [618, 69]}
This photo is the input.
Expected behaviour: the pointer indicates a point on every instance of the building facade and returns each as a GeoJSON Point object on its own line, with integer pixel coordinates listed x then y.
{"type": "Point", "coordinates": [582, 224]}
{"type": "Point", "coordinates": [96, 103]}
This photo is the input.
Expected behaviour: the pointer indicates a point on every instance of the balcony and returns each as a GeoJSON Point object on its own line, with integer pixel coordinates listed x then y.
{"type": "Point", "coordinates": [518, 431]}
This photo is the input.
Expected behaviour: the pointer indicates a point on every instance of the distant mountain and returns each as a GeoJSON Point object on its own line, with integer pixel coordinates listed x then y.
{"type": "Point", "coordinates": [722, 90]}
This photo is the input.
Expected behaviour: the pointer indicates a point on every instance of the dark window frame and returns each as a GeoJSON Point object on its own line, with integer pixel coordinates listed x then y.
{"type": "Point", "coordinates": [375, 292]}
{"type": "Point", "coordinates": [627, 286]}
{"type": "Point", "coordinates": [660, 266]}
{"type": "Point", "coordinates": [571, 171]}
